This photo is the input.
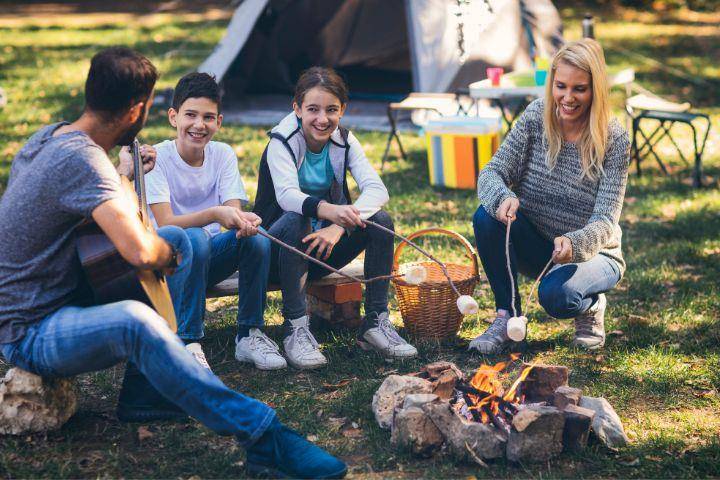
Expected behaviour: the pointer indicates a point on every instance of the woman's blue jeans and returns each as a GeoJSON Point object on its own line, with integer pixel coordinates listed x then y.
{"type": "Point", "coordinates": [565, 291]}
{"type": "Point", "coordinates": [76, 340]}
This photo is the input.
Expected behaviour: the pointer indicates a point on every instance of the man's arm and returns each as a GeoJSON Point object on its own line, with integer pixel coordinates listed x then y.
{"type": "Point", "coordinates": [142, 249]}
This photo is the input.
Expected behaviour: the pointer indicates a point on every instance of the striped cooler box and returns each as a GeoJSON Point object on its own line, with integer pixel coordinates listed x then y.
{"type": "Point", "coordinates": [459, 147]}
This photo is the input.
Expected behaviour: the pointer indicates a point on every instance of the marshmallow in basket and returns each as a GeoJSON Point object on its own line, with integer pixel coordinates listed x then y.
{"type": "Point", "coordinates": [415, 275]}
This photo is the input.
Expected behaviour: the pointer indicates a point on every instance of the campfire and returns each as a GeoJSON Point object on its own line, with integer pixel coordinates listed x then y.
{"type": "Point", "coordinates": [483, 399]}
{"type": "Point", "coordinates": [476, 418]}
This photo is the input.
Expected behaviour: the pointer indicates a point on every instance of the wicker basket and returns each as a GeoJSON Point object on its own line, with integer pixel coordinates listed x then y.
{"type": "Point", "coordinates": [429, 309]}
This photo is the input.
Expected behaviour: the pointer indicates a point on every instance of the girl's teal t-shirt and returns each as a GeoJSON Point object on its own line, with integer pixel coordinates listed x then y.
{"type": "Point", "coordinates": [316, 174]}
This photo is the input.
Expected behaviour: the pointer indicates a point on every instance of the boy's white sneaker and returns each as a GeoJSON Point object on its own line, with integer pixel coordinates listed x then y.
{"type": "Point", "coordinates": [196, 351]}
{"type": "Point", "coordinates": [301, 347]}
{"type": "Point", "coordinates": [257, 348]}
{"type": "Point", "coordinates": [384, 339]}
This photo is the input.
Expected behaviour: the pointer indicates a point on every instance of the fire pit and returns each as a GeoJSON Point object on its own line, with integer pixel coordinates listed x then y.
{"type": "Point", "coordinates": [536, 418]}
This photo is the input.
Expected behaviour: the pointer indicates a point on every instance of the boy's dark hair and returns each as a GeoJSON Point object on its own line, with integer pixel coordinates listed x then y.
{"type": "Point", "coordinates": [196, 85]}
{"type": "Point", "coordinates": [118, 78]}
{"type": "Point", "coordinates": [323, 77]}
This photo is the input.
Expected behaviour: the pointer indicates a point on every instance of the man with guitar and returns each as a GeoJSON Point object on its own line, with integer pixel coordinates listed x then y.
{"type": "Point", "coordinates": [63, 177]}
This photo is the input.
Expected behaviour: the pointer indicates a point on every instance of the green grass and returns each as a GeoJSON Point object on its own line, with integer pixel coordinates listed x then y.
{"type": "Point", "coordinates": [659, 369]}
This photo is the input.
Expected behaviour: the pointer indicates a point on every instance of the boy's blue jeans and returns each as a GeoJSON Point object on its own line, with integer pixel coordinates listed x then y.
{"type": "Point", "coordinates": [565, 291]}
{"type": "Point", "coordinates": [213, 260]}
{"type": "Point", "coordinates": [76, 340]}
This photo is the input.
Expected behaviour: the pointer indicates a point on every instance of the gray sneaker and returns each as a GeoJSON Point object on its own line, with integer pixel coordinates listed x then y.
{"type": "Point", "coordinates": [494, 340]}
{"type": "Point", "coordinates": [590, 326]}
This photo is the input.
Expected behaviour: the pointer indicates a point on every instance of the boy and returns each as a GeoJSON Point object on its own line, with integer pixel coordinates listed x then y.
{"type": "Point", "coordinates": [196, 185]}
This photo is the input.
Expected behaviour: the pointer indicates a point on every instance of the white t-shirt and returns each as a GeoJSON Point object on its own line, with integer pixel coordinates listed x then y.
{"type": "Point", "coordinates": [191, 189]}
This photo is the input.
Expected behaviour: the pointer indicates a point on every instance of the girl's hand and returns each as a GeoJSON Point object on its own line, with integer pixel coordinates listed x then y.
{"type": "Point", "coordinates": [324, 240]}
{"type": "Point", "coordinates": [563, 252]}
{"type": "Point", "coordinates": [346, 216]}
{"type": "Point", "coordinates": [507, 210]}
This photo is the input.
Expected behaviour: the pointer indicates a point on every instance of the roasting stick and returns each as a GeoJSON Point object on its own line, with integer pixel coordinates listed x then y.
{"type": "Point", "coordinates": [321, 263]}
{"type": "Point", "coordinates": [419, 249]}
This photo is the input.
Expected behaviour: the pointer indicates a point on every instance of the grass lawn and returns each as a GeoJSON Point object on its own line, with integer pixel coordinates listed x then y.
{"type": "Point", "coordinates": [659, 369]}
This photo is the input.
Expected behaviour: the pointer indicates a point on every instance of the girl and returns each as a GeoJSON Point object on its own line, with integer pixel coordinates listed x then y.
{"type": "Point", "coordinates": [303, 200]}
{"type": "Point", "coordinates": [559, 178]}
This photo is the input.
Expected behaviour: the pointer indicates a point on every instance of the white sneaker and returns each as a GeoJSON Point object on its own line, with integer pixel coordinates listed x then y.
{"type": "Point", "coordinates": [385, 340]}
{"type": "Point", "coordinates": [257, 348]}
{"type": "Point", "coordinates": [196, 351]}
{"type": "Point", "coordinates": [301, 347]}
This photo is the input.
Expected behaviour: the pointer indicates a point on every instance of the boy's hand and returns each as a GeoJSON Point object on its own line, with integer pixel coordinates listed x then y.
{"type": "Point", "coordinates": [347, 216]}
{"type": "Point", "coordinates": [324, 240]}
{"type": "Point", "coordinates": [250, 226]}
{"type": "Point", "coordinates": [125, 165]}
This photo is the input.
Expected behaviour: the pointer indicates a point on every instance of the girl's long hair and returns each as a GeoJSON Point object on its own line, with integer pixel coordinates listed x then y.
{"type": "Point", "coordinates": [587, 55]}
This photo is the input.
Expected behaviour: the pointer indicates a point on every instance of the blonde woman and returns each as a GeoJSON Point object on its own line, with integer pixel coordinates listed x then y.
{"type": "Point", "coordinates": [559, 178]}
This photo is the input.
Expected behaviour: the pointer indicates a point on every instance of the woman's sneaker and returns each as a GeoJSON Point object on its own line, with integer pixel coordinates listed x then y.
{"type": "Point", "coordinates": [590, 326]}
{"type": "Point", "coordinates": [494, 340]}
{"type": "Point", "coordinates": [282, 453]}
{"type": "Point", "coordinates": [257, 348]}
{"type": "Point", "coordinates": [301, 347]}
{"type": "Point", "coordinates": [380, 335]}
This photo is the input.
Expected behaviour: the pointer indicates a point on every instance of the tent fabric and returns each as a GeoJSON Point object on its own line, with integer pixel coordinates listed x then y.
{"type": "Point", "coordinates": [382, 45]}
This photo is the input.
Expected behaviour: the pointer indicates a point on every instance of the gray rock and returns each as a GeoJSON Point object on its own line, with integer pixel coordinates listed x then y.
{"type": "Point", "coordinates": [537, 435]}
{"type": "Point", "coordinates": [418, 399]}
{"type": "Point", "coordinates": [577, 427]}
{"type": "Point", "coordinates": [465, 439]}
{"type": "Point", "coordinates": [565, 396]}
{"type": "Point", "coordinates": [392, 393]}
{"type": "Point", "coordinates": [413, 429]}
{"type": "Point", "coordinates": [606, 425]}
{"type": "Point", "coordinates": [29, 403]}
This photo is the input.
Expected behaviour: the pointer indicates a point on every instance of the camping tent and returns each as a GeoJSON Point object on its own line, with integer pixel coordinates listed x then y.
{"type": "Point", "coordinates": [381, 46]}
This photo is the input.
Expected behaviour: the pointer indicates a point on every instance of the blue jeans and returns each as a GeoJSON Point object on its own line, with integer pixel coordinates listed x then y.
{"type": "Point", "coordinates": [292, 271]}
{"type": "Point", "coordinates": [565, 291]}
{"type": "Point", "coordinates": [213, 260]}
{"type": "Point", "coordinates": [75, 340]}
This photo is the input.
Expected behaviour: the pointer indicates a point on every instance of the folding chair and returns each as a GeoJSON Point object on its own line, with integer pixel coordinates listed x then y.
{"type": "Point", "coordinates": [440, 103]}
{"type": "Point", "coordinates": [647, 108]}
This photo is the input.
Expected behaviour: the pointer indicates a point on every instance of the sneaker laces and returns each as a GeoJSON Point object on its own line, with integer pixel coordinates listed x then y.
{"type": "Point", "coordinates": [498, 327]}
{"type": "Point", "coordinates": [389, 331]}
{"type": "Point", "coordinates": [301, 336]}
{"type": "Point", "coordinates": [263, 343]}
{"type": "Point", "coordinates": [199, 356]}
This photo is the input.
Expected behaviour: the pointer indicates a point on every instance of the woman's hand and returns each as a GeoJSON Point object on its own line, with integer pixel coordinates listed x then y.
{"type": "Point", "coordinates": [125, 166]}
{"type": "Point", "coordinates": [507, 210]}
{"type": "Point", "coordinates": [324, 240]}
{"type": "Point", "coordinates": [563, 252]}
{"type": "Point", "coordinates": [346, 216]}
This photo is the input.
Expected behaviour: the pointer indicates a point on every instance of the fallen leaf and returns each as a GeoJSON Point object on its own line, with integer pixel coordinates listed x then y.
{"type": "Point", "coordinates": [654, 459]}
{"type": "Point", "coordinates": [629, 461]}
{"type": "Point", "coordinates": [351, 432]}
{"type": "Point", "coordinates": [600, 358]}
{"type": "Point", "coordinates": [336, 386]}
{"type": "Point", "coordinates": [616, 333]}
{"type": "Point", "coordinates": [312, 438]}
{"type": "Point", "coordinates": [144, 433]}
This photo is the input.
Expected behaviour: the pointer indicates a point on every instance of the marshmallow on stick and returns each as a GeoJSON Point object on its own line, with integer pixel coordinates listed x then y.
{"type": "Point", "coordinates": [517, 328]}
{"type": "Point", "coordinates": [415, 274]}
{"type": "Point", "coordinates": [467, 305]}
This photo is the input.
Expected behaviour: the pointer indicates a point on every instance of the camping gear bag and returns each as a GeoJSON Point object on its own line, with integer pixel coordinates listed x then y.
{"type": "Point", "coordinates": [429, 309]}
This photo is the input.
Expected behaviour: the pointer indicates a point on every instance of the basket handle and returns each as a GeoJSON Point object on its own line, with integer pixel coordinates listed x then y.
{"type": "Point", "coordinates": [470, 251]}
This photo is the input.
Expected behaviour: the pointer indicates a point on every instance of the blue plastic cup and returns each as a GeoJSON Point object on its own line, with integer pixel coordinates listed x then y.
{"type": "Point", "coordinates": [540, 77]}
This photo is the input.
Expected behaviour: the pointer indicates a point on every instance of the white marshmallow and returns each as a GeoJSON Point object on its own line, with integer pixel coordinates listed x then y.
{"type": "Point", "coordinates": [467, 305]}
{"type": "Point", "coordinates": [517, 328]}
{"type": "Point", "coordinates": [416, 274]}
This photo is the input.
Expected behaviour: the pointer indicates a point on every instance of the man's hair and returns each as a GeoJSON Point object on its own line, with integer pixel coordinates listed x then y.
{"type": "Point", "coordinates": [119, 78]}
{"type": "Point", "coordinates": [196, 85]}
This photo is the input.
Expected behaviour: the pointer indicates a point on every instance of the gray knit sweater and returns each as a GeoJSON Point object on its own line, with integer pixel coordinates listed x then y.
{"type": "Point", "coordinates": [557, 201]}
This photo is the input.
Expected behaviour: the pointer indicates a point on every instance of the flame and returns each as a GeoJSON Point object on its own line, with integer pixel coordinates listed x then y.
{"type": "Point", "coordinates": [486, 381]}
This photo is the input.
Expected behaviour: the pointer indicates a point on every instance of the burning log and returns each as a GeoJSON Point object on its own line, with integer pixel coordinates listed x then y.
{"type": "Point", "coordinates": [498, 419]}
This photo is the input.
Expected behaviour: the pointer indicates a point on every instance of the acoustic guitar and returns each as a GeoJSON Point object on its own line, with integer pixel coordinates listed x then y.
{"type": "Point", "coordinates": [110, 276]}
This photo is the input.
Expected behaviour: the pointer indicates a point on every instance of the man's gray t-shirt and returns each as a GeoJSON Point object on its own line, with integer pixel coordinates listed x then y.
{"type": "Point", "coordinates": [55, 183]}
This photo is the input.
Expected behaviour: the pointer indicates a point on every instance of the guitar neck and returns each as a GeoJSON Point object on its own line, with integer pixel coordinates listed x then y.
{"type": "Point", "coordinates": [139, 174]}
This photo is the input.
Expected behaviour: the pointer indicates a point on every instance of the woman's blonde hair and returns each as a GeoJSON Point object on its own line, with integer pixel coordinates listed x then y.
{"type": "Point", "coordinates": [588, 56]}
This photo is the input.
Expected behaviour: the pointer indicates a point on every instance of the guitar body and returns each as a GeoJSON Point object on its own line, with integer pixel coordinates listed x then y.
{"type": "Point", "coordinates": [111, 277]}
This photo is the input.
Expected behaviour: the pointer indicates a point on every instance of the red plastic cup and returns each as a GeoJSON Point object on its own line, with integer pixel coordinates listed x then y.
{"type": "Point", "coordinates": [494, 74]}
